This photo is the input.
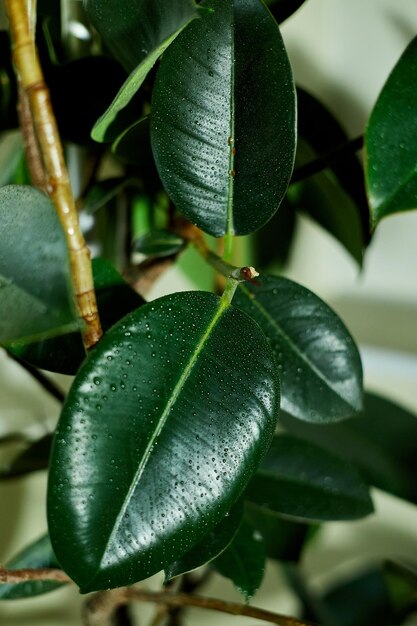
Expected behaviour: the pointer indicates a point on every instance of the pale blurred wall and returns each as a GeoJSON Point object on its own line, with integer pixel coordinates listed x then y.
{"type": "Point", "coordinates": [343, 51]}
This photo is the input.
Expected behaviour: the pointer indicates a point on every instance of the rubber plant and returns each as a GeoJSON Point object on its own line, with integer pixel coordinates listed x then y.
{"type": "Point", "coordinates": [212, 429]}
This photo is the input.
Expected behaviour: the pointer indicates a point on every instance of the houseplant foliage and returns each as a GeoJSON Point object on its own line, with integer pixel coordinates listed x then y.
{"type": "Point", "coordinates": [202, 430]}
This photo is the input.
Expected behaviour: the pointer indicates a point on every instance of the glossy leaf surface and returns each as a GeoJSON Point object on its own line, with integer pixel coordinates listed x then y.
{"type": "Point", "coordinates": [223, 118]}
{"type": "Point", "coordinates": [37, 554]}
{"type": "Point", "coordinates": [319, 364]}
{"type": "Point", "coordinates": [64, 355]}
{"type": "Point", "coordinates": [380, 442]}
{"type": "Point", "coordinates": [137, 33]}
{"type": "Point", "coordinates": [283, 539]}
{"type": "Point", "coordinates": [165, 424]}
{"type": "Point", "coordinates": [302, 481]}
{"type": "Point", "coordinates": [32, 245]}
{"type": "Point", "coordinates": [243, 561]}
{"type": "Point", "coordinates": [158, 243]}
{"type": "Point", "coordinates": [391, 149]}
{"type": "Point", "coordinates": [210, 547]}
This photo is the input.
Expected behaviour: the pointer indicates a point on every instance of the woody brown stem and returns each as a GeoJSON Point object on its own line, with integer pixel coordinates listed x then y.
{"type": "Point", "coordinates": [13, 577]}
{"type": "Point", "coordinates": [101, 606]}
{"type": "Point", "coordinates": [56, 176]}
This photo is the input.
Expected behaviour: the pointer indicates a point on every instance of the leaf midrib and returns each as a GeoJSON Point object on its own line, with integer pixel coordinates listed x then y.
{"type": "Point", "coordinates": [222, 307]}
{"type": "Point", "coordinates": [229, 225]}
{"type": "Point", "coordinates": [292, 345]}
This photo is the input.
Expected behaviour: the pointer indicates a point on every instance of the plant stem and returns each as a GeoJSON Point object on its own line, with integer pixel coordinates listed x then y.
{"type": "Point", "coordinates": [326, 160]}
{"type": "Point", "coordinates": [56, 176]}
{"type": "Point", "coordinates": [45, 382]}
{"type": "Point", "coordinates": [212, 604]}
{"type": "Point", "coordinates": [194, 236]}
{"type": "Point", "coordinates": [13, 577]}
{"type": "Point", "coordinates": [228, 246]}
{"type": "Point", "coordinates": [102, 605]}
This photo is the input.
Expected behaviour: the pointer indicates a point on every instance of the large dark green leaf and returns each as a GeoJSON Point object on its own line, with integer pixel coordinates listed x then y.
{"type": "Point", "coordinates": [36, 299]}
{"type": "Point", "coordinates": [390, 141]}
{"type": "Point", "coordinates": [300, 480]}
{"type": "Point", "coordinates": [243, 561]}
{"type": "Point", "coordinates": [284, 540]}
{"type": "Point", "coordinates": [164, 425]}
{"type": "Point", "coordinates": [319, 364]}
{"type": "Point", "coordinates": [137, 32]}
{"type": "Point", "coordinates": [37, 554]}
{"type": "Point", "coordinates": [381, 443]}
{"type": "Point", "coordinates": [211, 546]}
{"type": "Point", "coordinates": [223, 118]}
{"type": "Point", "coordinates": [65, 354]}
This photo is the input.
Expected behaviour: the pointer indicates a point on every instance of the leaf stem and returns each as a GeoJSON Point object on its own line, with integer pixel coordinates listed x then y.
{"type": "Point", "coordinates": [193, 235]}
{"type": "Point", "coordinates": [228, 246]}
{"type": "Point", "coordinates": [229, 291]}
{"type": "Point", "coordinates": [57, 182]}
{"type": "Point", "coordinates": [324, 161]}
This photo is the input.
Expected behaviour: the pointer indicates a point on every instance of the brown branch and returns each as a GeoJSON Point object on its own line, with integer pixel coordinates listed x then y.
{"type": "Point", "coordinates": [101, 606]}
{"type": "Point", "coordinates": [56, 176]}
{"type": "Point", "coordinates": [212, 604]}
{"type": "Point", "coordinates": [13, 577]}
